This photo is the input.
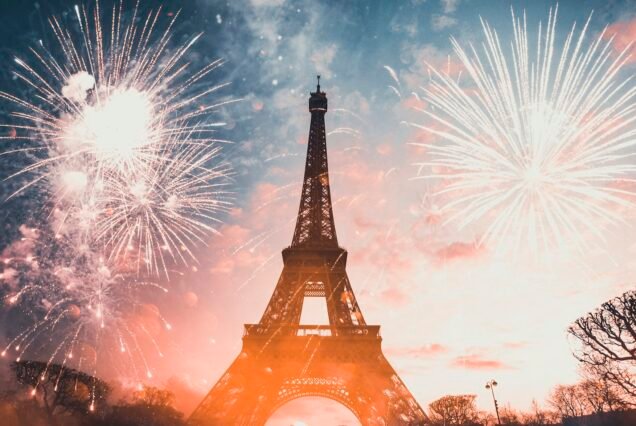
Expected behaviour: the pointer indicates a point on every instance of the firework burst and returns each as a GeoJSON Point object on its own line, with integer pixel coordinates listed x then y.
{"type": "Point", "coordinates": [84, 314]}
{"type": "Point", "coordinates": [538, 142]}
{"type": "Point", "coordinates": [116, 122]}
{"type": "Point", "coordinates": [130, 175]}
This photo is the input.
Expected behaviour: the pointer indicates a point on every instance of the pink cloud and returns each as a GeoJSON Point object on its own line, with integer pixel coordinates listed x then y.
{"type": "Point", "coordinates": [515, 345]}
{"type": "Point", "coordinates": [425, 351]}
{"type": "Point", "coordinates": [419, 141]}
{"type": "Point", "coordinates": [387, 251]}
{"type": "Point", "coordinates": [234, 235]}
{"type": "Point", "coordinates": [229, 257]}
{"type": "Point", "coordinates": [264, 193]}
{"type": "Point", "coordinates": [384, 149]}
{"type": "Point", "coordinates": [279, 172]}
{"type": "Point", "coordinates": [425, 57]}
{"type": "Point", "coordinates": [414, 102]}
{"type": "Point", "coordinates": [624, 34]}
{"type": "Point", "coordinates": [394, 296]}
{"type": "Point", "coordinates": [237, 264]}
{"type": "Point", "coordinates": [236, 212]}
{"type": "Point", "coordinates": [363, 223]}
{"type": "Point", "coordinates": [356, 172]}
{"type": "Point", "coordinates": [223, 266]}
{"type": "Point", "coordinates": [477, 362]}
{"type": "Point", "coordinates": [458, 250]}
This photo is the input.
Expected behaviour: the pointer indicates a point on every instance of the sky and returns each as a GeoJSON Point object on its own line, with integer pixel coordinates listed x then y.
{"type": "Point", "coordinates": [453, 314]}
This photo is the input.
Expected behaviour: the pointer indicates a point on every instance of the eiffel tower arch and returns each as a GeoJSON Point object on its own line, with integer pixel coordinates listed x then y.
{"type": "Point", "coordinates": [282, 359]}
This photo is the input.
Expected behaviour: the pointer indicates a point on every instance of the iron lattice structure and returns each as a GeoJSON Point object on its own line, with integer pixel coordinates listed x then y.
{"type": "Point", "coordinates": [281, 359]}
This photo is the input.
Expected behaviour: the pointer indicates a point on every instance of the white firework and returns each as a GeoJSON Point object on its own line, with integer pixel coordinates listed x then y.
{"type": "Point", "coordinates": [538, 142]}
{"type": "Point", "coordinates": [85, 315]}
{"type": "Point", "coordinates": [116, 113]}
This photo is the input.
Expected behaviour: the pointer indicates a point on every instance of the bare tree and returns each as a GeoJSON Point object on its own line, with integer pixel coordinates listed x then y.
{"type": "Point", "coordinates": [540, 417]}
{"type": "Point", "coordinates": [601, 395]}
{"type": "Point", "coordinates": [150, 407]}
{"type": "Point", "coordinates": [590, 396]}
{"type": "Point", "coordinates": [150, 395]}
{"type": "Point", "coordinates": [454, 410]}
{"type": "Point", "coordinates": [61, 390]}
{"type": "Point", "coordinates": [509, 416]}
{"type": "Point", "coordinates": [607, 340]}
{"type": "Point", "coordinates": [568, 401]}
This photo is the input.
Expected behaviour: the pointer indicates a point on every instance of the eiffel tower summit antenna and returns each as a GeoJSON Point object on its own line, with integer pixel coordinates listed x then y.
{"type": "Point", "coordinates": [281, 358]}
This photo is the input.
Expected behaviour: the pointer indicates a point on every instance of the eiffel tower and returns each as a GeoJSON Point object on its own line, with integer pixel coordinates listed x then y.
{"type": "Point", "coordinates": [281, 359]}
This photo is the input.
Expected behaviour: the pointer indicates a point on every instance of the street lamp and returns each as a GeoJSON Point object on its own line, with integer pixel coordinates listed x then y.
{"type": "Point", "coordinates": [491, 385]}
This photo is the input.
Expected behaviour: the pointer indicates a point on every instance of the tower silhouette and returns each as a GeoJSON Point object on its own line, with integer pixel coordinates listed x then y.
{"type": "Point", "coordinates": [281, 359]}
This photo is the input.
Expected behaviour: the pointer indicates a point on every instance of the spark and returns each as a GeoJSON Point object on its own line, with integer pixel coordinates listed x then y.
{"type": "Point", "coordinates": [100, 318]}
{"type": "Point", "coordinates": [119, 125]}
{"type": "Point", "coordinates": [537, 146]}
{"type": "Point", "coordinates": [345, 131]}
{"type": "Point", "coordinates": [131, 178]}
{"type": "Point", "coordinates": [392, 73]}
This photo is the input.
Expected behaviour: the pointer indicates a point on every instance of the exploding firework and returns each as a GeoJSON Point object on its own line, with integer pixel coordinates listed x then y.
{"type": "Point", "coordinates": [84, 314]}
{"type": "Point", "coordinates": [538, 142]}
{"type": "Point", "coordinates": [130, 177]}
{"type": "Point", "coordinates": [162, 211]}
{"type": "Point", "coordinates": [116, 122]}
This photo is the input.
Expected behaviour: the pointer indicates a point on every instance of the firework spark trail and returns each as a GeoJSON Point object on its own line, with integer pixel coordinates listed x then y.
{"type": "Point", "coordinates": [344, 112]}
{"type": "Point", "coordinates": [130, 176]}
{"type": "Point", "coordinates": [345, 131]}
{"type": "Point", "coordinates": [118, 124]}
{"type": "Point", "coordinates": [541, 145]}
{"type": "Point", "coordinates": [92, 317]}
{"type": "Point", "coordinates": [165, 210]}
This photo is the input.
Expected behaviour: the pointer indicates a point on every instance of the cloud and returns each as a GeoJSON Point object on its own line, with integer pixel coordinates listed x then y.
{"type": "Point", "coordinates": [402, 24]}
{"type": "Point", "coordinates": [441, 22]}
{"type": "Point", "coordinates": [515, 345]}
{"type": "Point", "coordinates": [394, 296]}
{"type": "Point", "coordinates": [420, 58]}
{"type": "Point", "coordinates": [415, 102]}
{"type": "Point", "coordinates": [323, 58]}
{"type": "Point", "coordinates": [449, 6]}
{"type": "Point", "coordinates": [424, 351]}
{"type": "Point", "coordinates": [232, 252]}
{"type": "Point", "coordinates": [458, 250]}
{"type": "Point", "coordinates": [624, 34]}
{"type": "Point", "coordinates": [267, 3]}
{"type": "Point", "coordinates": [477, 362]}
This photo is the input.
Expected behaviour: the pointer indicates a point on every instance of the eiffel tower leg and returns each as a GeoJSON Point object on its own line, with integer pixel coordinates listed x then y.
{"type": "Point", "coordinates": [388, 399]}
{"type": "Point", "coordinates": [236, 397]}
{"type": "Point", "coordinates": [259, 382]}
